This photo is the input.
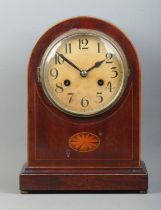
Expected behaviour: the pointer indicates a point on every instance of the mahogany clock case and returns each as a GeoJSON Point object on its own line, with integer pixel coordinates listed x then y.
{"type": "Point", "coordinates": [52, 165]}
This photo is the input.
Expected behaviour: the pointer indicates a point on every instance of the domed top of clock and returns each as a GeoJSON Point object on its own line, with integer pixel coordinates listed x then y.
{"type": "Point", "coordinates": [83, 67]}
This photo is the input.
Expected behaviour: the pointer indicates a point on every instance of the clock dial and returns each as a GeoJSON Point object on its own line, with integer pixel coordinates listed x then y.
{"type": "Point", "coordinates": [84, 72]}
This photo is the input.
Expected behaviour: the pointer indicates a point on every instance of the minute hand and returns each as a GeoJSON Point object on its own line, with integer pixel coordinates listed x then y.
{"type": "Point", "coordinates": [68, 61]}
{"type": "Point", "coordinates": [96, 65]}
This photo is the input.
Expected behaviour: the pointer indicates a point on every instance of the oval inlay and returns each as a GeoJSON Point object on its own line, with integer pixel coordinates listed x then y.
{"type": "Point", "coordinates": [84, 142]}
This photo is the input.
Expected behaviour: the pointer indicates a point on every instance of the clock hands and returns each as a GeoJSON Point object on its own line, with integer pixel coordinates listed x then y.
{"type": "Point", "coordinates": [96, 65]}
{"type": "Point", "coordinates": [68, 61]}
{"type": "Point", "coordinates": [83, 73]}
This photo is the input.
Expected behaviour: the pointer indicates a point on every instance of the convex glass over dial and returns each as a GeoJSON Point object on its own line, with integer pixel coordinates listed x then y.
{"type": "Point", "coordinates": [83, 72]}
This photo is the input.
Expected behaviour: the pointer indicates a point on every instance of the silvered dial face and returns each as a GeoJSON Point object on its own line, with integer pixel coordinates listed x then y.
{"type": "Point", "coordinates": [83, 72]}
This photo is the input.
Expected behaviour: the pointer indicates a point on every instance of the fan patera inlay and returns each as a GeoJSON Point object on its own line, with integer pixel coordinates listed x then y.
{"type": "Point", "coordinates": [84, 142]}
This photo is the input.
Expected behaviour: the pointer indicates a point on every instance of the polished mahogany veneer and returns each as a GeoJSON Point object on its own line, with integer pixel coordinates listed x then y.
{"type": "Point", "coordinates": [52, 164]}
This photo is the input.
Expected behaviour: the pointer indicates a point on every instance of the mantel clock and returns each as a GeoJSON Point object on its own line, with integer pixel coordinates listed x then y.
{"type": "Point", "coordinates": [83, 110]}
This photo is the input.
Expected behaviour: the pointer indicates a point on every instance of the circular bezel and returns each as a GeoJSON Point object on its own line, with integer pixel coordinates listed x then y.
{"type": "Point", "coordinates": [75, 32]}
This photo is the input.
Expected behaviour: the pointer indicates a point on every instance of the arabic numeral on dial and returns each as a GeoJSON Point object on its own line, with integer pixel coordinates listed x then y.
{"type": "Point", "coordinates": [115, 72]}
{"type": "Point", "coordinates": [84, 102]}
{"type": "Point", "coordinates": [68, 48]}
{"type": "Point", "coordinates": [100, 97]}
{"type": "Point", "coordinates": [83, 44]}
{"type": "Point", "coordinates": [59, 87]}
{"type": "Point", "coordinates": [70, 97]}
{"type": "Point", "coordinates": [109, 86]}
{"type": "Point", "coordinates": [54, 73]}
{"type": "Point", "coordinates": [109, 56]}
{"type": "Point", "coordinates": [58, 59]}
{"type": "Point", "coordinates": [98, 45]}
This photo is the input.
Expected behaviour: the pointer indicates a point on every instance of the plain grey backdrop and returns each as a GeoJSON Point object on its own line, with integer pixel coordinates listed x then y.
{"type": "Point", "coordinates": [21, 24]}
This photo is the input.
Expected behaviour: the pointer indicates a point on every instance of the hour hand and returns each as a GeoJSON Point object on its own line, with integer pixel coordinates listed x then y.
{"type": "Point", "coordinates": [96, 65]}
{"type": "Point", "coordinates": [68, 61]}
